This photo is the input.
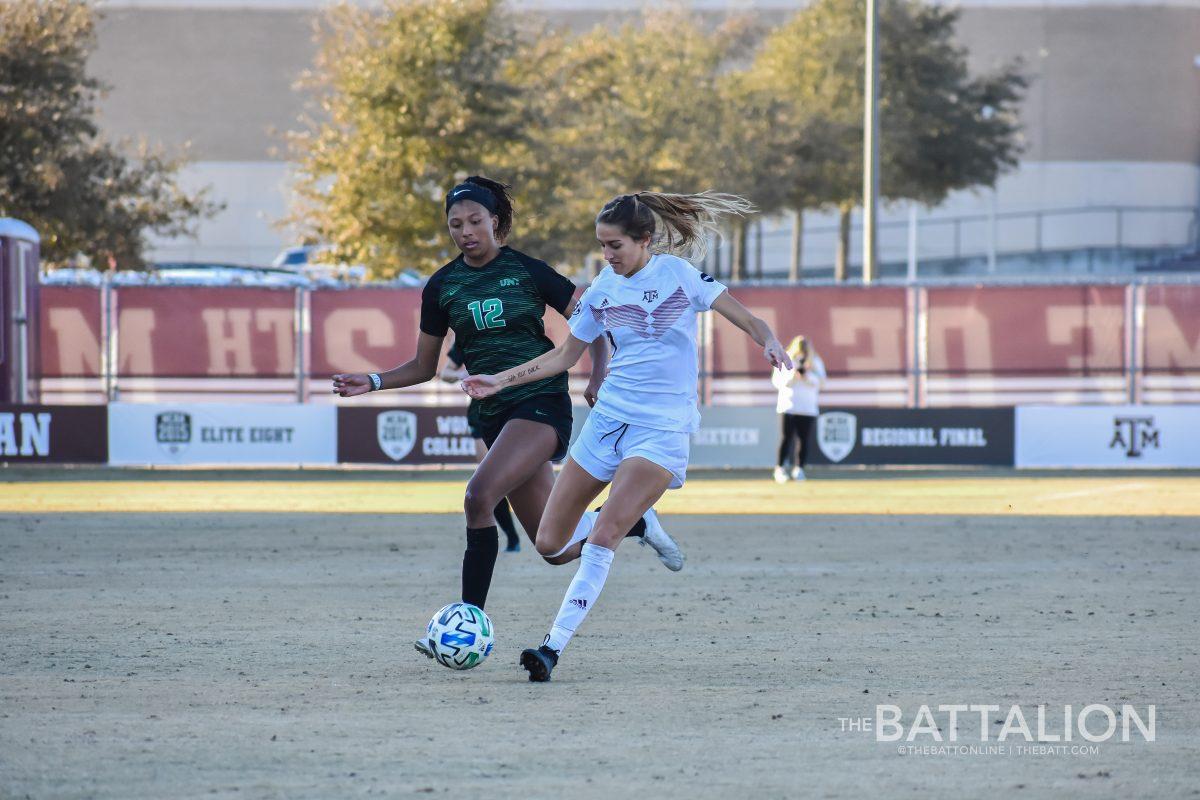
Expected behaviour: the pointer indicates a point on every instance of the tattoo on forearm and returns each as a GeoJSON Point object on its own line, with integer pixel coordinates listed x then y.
{"type": "Point", "coordinates": [522, 373]}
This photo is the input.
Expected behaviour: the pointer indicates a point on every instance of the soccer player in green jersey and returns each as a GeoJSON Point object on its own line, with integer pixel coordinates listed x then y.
{"type": "Point", "coordinates": [494, 298]}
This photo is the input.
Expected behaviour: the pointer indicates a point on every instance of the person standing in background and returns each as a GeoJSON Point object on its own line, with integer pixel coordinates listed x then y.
{"type": "Point", "coordinates": [797, 406]}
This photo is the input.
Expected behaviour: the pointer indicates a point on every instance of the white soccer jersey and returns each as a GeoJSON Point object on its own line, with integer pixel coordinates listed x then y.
{"type": "Point", "coordinates": [650, 320]}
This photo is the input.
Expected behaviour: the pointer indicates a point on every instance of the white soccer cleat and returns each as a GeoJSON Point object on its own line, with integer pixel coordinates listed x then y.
{"type": "Point", "coordinates": [780, 475]}
{"type": "Point", "coordinates": [661, 541]}
{"type": "Point", "coordinates": [422, 646]}
{"type": "Point", "coordinates": [797, 474]}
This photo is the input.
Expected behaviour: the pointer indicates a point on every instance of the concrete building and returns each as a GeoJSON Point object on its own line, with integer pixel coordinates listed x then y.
{"type": "Point", "coordinates": [1112, 121]}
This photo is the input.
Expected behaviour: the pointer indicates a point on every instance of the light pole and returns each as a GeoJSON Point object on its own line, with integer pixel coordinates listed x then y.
{"type": "Point", "coordinates": [871, 146]}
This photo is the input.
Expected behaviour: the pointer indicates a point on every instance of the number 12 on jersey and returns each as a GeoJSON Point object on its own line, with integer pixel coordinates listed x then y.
{"type": "Point", "coordinates": [487, 313]}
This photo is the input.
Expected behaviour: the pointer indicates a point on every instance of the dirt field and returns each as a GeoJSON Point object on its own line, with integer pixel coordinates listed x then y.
{"type": "Point", "coordinates": [268, 655]}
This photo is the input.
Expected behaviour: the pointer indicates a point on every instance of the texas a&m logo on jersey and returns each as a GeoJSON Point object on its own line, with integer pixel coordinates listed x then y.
{"type": "Point", "coordinates": [650, 295]}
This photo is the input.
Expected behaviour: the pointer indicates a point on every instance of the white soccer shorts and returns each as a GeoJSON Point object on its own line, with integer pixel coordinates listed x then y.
{"type": "Point", "coordinates": [605, 442]}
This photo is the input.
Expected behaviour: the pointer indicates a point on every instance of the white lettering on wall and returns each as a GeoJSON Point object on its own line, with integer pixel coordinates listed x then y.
{"type": "Point", "coordinates": [340, 328]}
{"type": "Point", "coordinates": [885, 334]}
{"type": "Point", "coordinates": [1102, 323]}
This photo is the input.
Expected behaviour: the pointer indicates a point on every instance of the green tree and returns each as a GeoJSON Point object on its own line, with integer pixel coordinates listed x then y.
{"type": "Point", "coordinates": [775, 152]}
{"type": "Point", "coordinates": [617, 110]}
{"type": "Point", "coordinates": [83, 194]}
{"type": "Point", "coordinates": [412, 98]}
{"type": "Point", "coordinates": [421, 93]}
{"type": "Point", "coordinates": [942, 129]}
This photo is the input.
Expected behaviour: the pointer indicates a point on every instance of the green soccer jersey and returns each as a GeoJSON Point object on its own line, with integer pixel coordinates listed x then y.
{"type": "Point", "coordinates": [496, 314]}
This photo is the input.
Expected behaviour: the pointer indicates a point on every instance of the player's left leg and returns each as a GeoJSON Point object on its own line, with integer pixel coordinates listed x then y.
{"type": "Point", "coordinates": [521, 449]}
{"type": "Point", "coordinates": [636, 487]}
{"type": "Point", "coordinates": [518, 454]}
{"type": "Point", "coordinates": [503, 512]}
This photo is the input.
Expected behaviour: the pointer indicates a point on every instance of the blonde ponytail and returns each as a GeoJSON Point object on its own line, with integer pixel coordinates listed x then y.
{"type": "Point", "coordinates": [679, 224]}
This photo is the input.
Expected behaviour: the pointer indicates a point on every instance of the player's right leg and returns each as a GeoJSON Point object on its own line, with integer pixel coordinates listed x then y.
{"type": "Point", "coordinates": [562, 539]}
{"type": "Point", "coordinates": [566, 510]}
{"type": "Point", "coordinates": [785, 448]}
{"type": "Point", "coordinates": [636, 487]}
{"type": "Point", "coordinates": [595, 457]}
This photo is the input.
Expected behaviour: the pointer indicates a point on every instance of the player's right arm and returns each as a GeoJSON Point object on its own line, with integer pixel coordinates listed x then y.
{"type": "Point", "coordinates": [547, 365]}
{"type": "Point", "coordinates": [435, 322]}
{"type": "Point", "coordinates": [453, 370]}
{"type": "Point", "coordinates": [782, 378]}
{"type": "Point", "coordinates": [422, 367]}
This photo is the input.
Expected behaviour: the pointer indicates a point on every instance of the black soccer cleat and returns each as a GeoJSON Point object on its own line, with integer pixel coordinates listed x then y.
{"type": "Point", "coordinates": [514, 546]}
{"type": "Point", "coordinates": [539, 663]}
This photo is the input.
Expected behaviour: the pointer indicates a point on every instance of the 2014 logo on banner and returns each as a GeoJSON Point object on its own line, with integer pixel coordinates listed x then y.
{"type": "Point", "coordinates": [396, 433]}
{"type": "Point", "coordinates": [837, 432]}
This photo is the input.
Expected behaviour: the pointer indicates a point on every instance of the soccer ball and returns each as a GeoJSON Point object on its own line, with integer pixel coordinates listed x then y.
{"type": "Point", "coordinates": [460, 636]}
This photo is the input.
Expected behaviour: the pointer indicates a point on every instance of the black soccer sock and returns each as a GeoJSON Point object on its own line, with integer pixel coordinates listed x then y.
{"type": "Point", "coordinates": [638, 529]}
{"type": "Point", "coordinates": [504, 519]}
{"type": "Point", "coordinates": [478, 562]}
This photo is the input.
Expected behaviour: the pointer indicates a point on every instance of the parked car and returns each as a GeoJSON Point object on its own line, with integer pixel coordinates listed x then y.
{"type": "Point", "coordinates": [304, 258]}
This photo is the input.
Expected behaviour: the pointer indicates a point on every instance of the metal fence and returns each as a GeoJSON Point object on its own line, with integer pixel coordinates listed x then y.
{"type": "Point", "coordinates": [890, 345]}
{"type": "Point", "coordinates": [1080, 241]}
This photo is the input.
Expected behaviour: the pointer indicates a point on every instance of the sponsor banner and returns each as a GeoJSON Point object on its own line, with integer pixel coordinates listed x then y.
{"type": "Point", "coordinates": [913, 436]}
{"type": "Point", "coordinates": [215, 433]}
{"type": "Point", "coordinates": [731, 436]}
{"type": "Point", "coordinates": [59, 434]}
{"type": "Point", "coordinates": [412, 435]}
{"type": "Point", "coordinates": [1108, 436]}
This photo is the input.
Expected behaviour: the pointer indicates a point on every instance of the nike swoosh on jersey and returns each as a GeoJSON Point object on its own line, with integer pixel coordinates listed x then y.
{"type": "Point", "coordinates": [648, 325]}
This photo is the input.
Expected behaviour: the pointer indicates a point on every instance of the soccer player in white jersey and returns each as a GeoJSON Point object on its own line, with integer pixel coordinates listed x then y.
{"type": "Point", "coordinates": [638, 434]}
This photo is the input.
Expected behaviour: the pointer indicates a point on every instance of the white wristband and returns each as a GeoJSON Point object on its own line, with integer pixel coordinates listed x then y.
{"type": "Point", "coordinates": [376, 381]}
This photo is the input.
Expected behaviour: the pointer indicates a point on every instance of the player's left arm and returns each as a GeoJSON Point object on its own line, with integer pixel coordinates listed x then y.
{"type": "Point", "coordinates": [758, 330]}
{"type": "Point", "coordinates": [597, 350]}
{"type": "Point", "coordinates": [560, 359]}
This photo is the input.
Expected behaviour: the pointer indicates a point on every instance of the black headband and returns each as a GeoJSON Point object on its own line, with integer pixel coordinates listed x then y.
{"type": "Point", "coordinates": [471, 191]}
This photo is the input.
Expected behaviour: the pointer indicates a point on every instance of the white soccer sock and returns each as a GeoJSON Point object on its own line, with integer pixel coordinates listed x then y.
{"type": "Point", "coordinates": [582, 531]}
{"type": "Point", "coordinates": [585, 587]}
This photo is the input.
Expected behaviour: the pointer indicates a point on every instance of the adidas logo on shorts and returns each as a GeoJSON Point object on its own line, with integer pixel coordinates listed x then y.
{"type": "Point", "coordinates": [579, 603]}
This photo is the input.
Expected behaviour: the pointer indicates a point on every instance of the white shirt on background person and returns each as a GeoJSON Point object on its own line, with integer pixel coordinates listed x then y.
{"type": "Point", "coordinates": [798, 393]}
